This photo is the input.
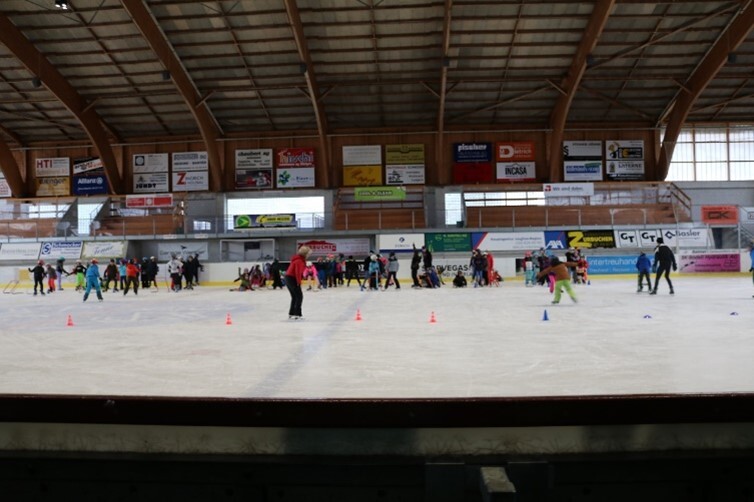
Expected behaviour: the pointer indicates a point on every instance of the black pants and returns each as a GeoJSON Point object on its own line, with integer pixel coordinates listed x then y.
{"type": "Point", "coordinates": [352, 275]}
{"type": "Point", "coordinates": [663, 268]}
{"type": "Point", "coordinates": [415, 276]}
{"type": "Point", "coordinates": [395, 280]}
{"type": "Point", "coordinates": [643, 275]}
{"type": "Point", "coordinates": [297, 296]}
{"type": "Point", "coordinates": [131, 281]}
{"type": "Point", "coordinates": [38, 281]}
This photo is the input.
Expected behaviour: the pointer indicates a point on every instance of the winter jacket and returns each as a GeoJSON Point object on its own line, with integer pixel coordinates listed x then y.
{"type": "Point", "coordinates": [296, 268]}
{"type": "Point", "coordinates": [92, 272]}
{"type": "Point", "coordinates": [643, 264]}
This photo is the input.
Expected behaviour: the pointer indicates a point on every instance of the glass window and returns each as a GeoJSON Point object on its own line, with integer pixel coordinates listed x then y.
{"type": "Point", "coordinates": [713, 154]}
{"type": "Point", "coordinates": [309, 211]}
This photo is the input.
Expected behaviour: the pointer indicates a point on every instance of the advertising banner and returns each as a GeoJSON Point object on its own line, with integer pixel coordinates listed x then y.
{"type": "Point", "coordinates": [400, 243]}
{"type": "Point", "coordinates": [404, 175]}
{"type": "Point", "coordinates": [362, 175]}
{"type": "Point", "coordinates": [473, 172]}
{"type": "Point", "coordinates": [70, 250]}
{"type": "Point", "coordinates": [358, 248]}
{"type": "Point", "coordinates": [248, 221]}
{"type": "Point", "coordinates": [519, 151]}
{"type": "Point", "coordinates": [582, 150]}
{"type": "Point", "coordinates": [624, 159]}
{"type": "Point", "coordinates": [686, 237]}
{"type": "Point", "coordinates": [404, 154]}
{"type": "Point", "coordinates": [708, 262]}
{"type": "Point", "coordinates": [254, 158]}
{"type": "Point", "coordinates": [606, 265]}
{"type": "Point", "coordinates": [516, 171]}
{"type": "Point", "coordinates": [568, 189]}
{"type": "Point", "coordinates": [145, 201]}
{"type": "Point", "coordinates": [150, 182]}
{"type": "Point", "coordinates": [56, 166]}
{"type": "Point", "coordinates": [295, 177]}
{"type": "Point", "coordinates": [150, 163]}
{"type": "Point", "coordinates": [582, 170]}
{"type": "Point", "coordinates": [20, 251]}
{"type": "Point", "coordinates": [90, 184]}
{"type": "Point", "coordinates": [556, 239]}
{"type": "Point", "coordinates": [632, 170]}
{"type": "Point", "coordinates": [190, 161]}
{"type": "Point", "coordinates": [253, 178]}
{"type": "Point", "coordinates": [4, 187]}
{"type": "Point", "coordinates": [190, 181]}
{"type": "Point", "coordinates": [632, 149]}
{"type": "Point", "coordinates": [166, 250]}
{"type": "Point", "coordinates": [472, 152]}
{"type": "Point", "coordinates": [364, 155]}
{"type": "Point", "coordinates": [295, 157]}
{"type": "Point", "coordinates": [720, 215]}
{"type": "Point", "coordinates": [379, 194]}
{"type": "Point", "coordinates": [448, 242]}
{"type": "Point", "coordinates": [53, 186]}
{"type": "Point", "coordinates": [88, 165]}
{"type": "Point", "coordinates": [109, 249]}
{"type": "Point", "coordinates": [509, 241]}
{"type": "Point", "coordinates": [590, 239]}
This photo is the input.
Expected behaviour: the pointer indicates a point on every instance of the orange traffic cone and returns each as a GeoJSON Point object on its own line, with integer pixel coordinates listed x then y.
{"type": "Point", "coordinates": [358, 315]}
{"type": "Point", "coordinates": [228, 320]}
{"type": "Point", "coordinates": [69, 322]}
{"type": "Point", "coordinates": [432, 317]}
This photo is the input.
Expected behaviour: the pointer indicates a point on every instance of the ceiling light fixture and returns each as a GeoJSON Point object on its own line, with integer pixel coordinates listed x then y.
{"type": "Point", "coordinates": [62, 4]}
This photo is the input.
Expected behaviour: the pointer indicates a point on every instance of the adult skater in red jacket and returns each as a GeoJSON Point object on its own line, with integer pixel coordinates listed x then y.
{"type": "Point", "coordinates": [293, 277]}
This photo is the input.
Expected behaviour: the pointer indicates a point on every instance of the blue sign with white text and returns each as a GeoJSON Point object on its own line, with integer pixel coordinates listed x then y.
{"type": "Point", "coordinates": [602, 265]}
{"type": "Point", "coordinates": [472, 152]}
{"type": "Point", "coordinates": [90, 185]}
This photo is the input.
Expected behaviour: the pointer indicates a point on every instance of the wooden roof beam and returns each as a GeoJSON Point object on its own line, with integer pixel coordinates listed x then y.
{"type": "Point", "coordinates": [570, 83]}
{"type": "Point", "coordinates": [205, 121]}
{"type": "Point", "coordinates": [36, 63]}
{"type": "Point", "coordinates": [729, 40]}
{"type": "Point", "coordinates": [443, 173]}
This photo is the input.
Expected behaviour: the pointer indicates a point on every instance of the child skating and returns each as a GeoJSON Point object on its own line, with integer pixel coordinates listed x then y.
{"type": "Point", "coordinates": [643, 267]}
{"type": "Point", "coordinates": [562, 278]}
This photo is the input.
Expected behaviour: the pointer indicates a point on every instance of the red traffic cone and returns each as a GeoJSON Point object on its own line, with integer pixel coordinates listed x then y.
{"type": "Point", "coordinates": [228, 320]}
{"type": "Point", "coordinates": [432, 317]}
{"type": "Point", "coordinates": [358, 315]}
{"type": "Point", "coordinates": [69, 322]}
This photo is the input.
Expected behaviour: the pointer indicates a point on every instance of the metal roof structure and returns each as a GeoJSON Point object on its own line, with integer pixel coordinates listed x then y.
{"type": "Point", "coordinates": [112, 71]}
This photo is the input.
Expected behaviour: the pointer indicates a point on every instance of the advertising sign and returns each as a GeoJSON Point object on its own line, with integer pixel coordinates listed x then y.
{"type": "Point", "coordinates": [358, 248]}
{"type": "Point", "coordinates": [404, 154]}
{"type": "Point", "coordinates": [624, 149]}
{"type": "Point", "coordinates": [190, 181]}
{"type": "Point", "coordinates": [509, 241]}
{"type": "Point", "coordinates": [448, 242]}
{"type": "Point", "coordinates": [150, 182]}
{"type": "Point", "coordinates": [473, 172]}
{"type": "Point", "coordinates": [88, 165]}
{"type": "Point", "coordinates": [589, 239]}
{"type": "Point", "coordinates": [108, 249]}
{"type": "Point", "coordinates": [19, 251]}
{"type": "Point", "coordinates": [90, 185]}
{"type": "Point", "coordinates": [364, 155]}
{"type": "Point", "coordinates": [253, 159]}
{"type": "Point", "coordinates": [70, 250]}
{"type": "Point", "coordinates": [582, 170]}
{"type": "Point", "coordinates": [516, 171]}
{"type": "Point", "coordinates": [720, 215]}
{"type": "Point", "coordinates": [379, 194]}
{"type": "Point", "coordinates": [295, 157]}
{"type": "Point", "coordinates": [708, 262]}
{"type": "Point", "coordinates": [472, 152]}
{"type": "Point", "coordinates": [568, 189]}
{"type": "Point", "coordinates": [145, 201]}
{"type": "Point", "coordinates": [56, 166]}
{"type": "Point", "coordinates": [190, 161]}
{"type": "Point", "coordinates": [295, 177]}
{"type": "Point", "coordinates": [400, 243]}
{"type": "Point", "coordinates": [520, 151]}
{"type": "Point", "coordinates": [53, 186]}
{"type": "Point", "coordinates": [625, 169]}
{"type": "Point", "coordinates": [605, 265]}
{"type": "Point", "coordinates": [362, 175]}
{"type": "Point", "coordinates": [253, 178]}
{"type": "Point", "coordinates": [582, 150]}
{"type": "Point", "coordinates": [405, 175]}
{"type": "Point", "coordinates": [248, 221]}
{"type": "Point", "coordinates": [150, 163]}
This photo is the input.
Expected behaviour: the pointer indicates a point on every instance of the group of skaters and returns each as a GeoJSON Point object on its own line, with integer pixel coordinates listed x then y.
{"type": "Point", "coordinates": [118, 275]}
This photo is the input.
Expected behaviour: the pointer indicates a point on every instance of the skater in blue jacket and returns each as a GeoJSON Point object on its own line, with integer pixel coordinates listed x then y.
{"type": "Point", "coordinates": [644, 267]}
{"type": "Point", "coordinates": [92, 280]}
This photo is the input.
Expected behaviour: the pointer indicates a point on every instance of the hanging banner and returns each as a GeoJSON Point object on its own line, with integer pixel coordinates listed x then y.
{"type": "Point", "coordinates": [405, 175]}
{"type": "Point", "coordinates": [363, 155]}
{"type": "Point", "coordinates": [57, 166]}
{"type": "Point", "coordinates": [190, 161]}
{"type": "Point", "coordinates": [568, 189]}
{"type": "Point", "coordinates": [149, 201]}
{"type": "Point", "coordinates": [624, 160]}
{"type": "Point", "coordinates": [253, 178]}
{"type": "Point", "coordinates": [70, 250]}
{"type": "Point", "coordinates": [472, 152]}
{"type": "Point", "coordinates": [248, 221]}
{"type": "Point", "coordinates": [295, 157]}
{"type": "Point", "coordinates": [150, 182]}
{"type": "Point", "coordinates": [295, 177]}
{"type": "Point", "coordinates": [253, 159]}
{"type": "Point", "coordinates": [362, 175]}
{"type": "Point", "coordinates": [150, 163]}
{"type": "Point", "coordinates": [720, 215]}
{"type": "Point", "coordinates": [90, 185]}
{"type": "Point", "coordinates": [582, 160]}
{"type": "Point", "coordinates": [379, 194]}
{"type": "Point", "coordinates": [88, 165]}
{"type": "Point", "coordinates": [516, 171]}
{"type": "Point", "coordinates": [53, 186]}
{"type": "Point", "coordinates": [190, 181]}
{"type": "Point", "coordinates": [404, 154]}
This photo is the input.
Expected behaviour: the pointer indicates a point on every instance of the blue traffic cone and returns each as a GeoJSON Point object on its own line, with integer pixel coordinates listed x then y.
{"type": "Point", "coordinates": [544, 317]}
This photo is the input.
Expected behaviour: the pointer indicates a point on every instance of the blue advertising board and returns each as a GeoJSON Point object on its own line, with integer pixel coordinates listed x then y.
{"type": "Point", "coordinates": [472, 152]}
{"type": "Point", "coordinates": [605, 265]}
{"type": "Point", "coordinates": [90, 185]}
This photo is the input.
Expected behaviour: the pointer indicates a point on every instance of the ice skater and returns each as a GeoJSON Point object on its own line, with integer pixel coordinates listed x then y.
{"type": "Point", "coordinates": [293, 277]}
{"type": "Point", "coordinates": [664, 259]}
{"type": "Point", "coordinates": [39, 274]}
{"type": "Point", "coordinates": [562, 278]}
{"type": "Point", "coordinates": [644, 266]}
{"type": "Point", "coordinates": [93, 280]}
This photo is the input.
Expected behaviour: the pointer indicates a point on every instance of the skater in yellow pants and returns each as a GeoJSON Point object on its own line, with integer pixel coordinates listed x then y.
{"type": "Point", "coordinates": [562, 277]}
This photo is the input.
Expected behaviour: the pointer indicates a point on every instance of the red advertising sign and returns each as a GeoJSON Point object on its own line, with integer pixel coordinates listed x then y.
{"type": "Point", "coordinates": [145, 201]}
{"type": "Point", "coordinates": [295, 157]}
{"type": "Point", "coordinates": [519, 151]}
{"type": "Point", "coordinates": [720, 215]}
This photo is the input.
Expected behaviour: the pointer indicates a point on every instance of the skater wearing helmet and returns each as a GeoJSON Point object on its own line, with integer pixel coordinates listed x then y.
{"type": "Point", "coordinates": [93, 280]}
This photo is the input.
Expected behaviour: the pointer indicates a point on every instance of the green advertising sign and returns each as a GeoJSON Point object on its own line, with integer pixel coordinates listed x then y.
{"type": "Point", "coordinates": [379, 194]}
{"type": "Point", "coordinates": [449, 243]}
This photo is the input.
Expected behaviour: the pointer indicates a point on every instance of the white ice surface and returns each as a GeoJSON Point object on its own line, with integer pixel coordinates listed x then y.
{"type": "Point", "coordinates": [487, 342]}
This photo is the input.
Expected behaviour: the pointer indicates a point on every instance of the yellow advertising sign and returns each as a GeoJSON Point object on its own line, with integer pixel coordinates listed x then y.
{"type": "Point", "coordinates": [359, 176]}
{"type": "Point", "coordinates": [53, 186]}
{"type": "Point", "coordinates": [404, 154]}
